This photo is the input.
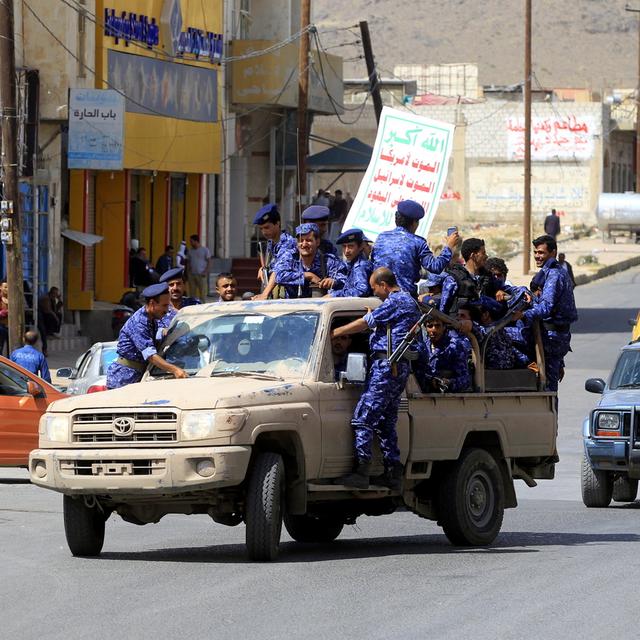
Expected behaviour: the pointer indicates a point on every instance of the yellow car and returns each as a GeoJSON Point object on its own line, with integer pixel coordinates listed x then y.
{"type": "Point", "coordinates": [635, 331]}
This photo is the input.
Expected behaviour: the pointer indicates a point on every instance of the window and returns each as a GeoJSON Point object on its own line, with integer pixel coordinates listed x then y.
{"type": "Point", "coordinates": [12, 382]}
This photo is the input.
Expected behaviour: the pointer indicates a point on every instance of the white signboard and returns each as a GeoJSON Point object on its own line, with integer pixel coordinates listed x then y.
{"type": "Point", "coordinates": [96, 129]}
{"type": "Point", "coordinates": [560, 137]}
{"type": "Point", "coordinates": [409, 162]}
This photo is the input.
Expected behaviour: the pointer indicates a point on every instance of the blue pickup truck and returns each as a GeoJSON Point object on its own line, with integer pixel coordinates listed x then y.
{"type": "Point", "coordinates": [611, 434]}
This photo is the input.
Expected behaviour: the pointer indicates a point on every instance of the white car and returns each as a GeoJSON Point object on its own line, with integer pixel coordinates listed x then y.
{"type": "Point", "coordinates": [90, 373]}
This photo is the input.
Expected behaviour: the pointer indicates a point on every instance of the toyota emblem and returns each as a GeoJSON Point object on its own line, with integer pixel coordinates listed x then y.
{"type": "Point", "coordinates": [123, 426]}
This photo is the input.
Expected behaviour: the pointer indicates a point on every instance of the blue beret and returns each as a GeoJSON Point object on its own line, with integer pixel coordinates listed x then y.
{"type": "Point", "coordinates": [351, 235]}
{"type": "Point", "coordinates": [365, 239]}
{"type": "Point", "coordinates": [315, 212]}
{"type": "Point", "coordinates": [411, 209]}
{"type": "Point", "coordinates": [307, 227]}
{"type": "Point", "coordinates": [268, 213]}
{"type": "Point", "coordinates": [172, 274]}
{"type": "Point", "coordinates": [155, 290]}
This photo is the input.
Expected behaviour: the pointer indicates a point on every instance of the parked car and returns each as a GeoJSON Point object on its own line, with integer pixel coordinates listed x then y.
{"type": "Point", "coordinates": [611, 434]}
{"type": "Point", "coordinates": [90, 373]}
{"type": "Point", "coordinates": [24, 397]}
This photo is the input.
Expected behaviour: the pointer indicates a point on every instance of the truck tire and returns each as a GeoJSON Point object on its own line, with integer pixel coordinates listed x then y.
{"type": "Point", "coordinates": [264, 506]}
{"type": "Point", "coordinates": [597, 486]}
{"type": "Point", "coordinates": [313, 529]}
{"type": "Point", "coordinates": [624, 489]}
{"type": "Point", "coordinates": [471, 499]}
{"type": "Point", "coordinates": [83, 527]}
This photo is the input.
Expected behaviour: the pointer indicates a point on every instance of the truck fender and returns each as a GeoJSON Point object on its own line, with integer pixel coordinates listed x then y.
{"type": "Point", "coordinates": [284, 439]}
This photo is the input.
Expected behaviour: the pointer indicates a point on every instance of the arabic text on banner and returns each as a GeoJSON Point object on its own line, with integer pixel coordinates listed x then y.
{"type": "Point", "coordinates": [409, 162]}
{"type": "Point", "coordinates": [96, 129]}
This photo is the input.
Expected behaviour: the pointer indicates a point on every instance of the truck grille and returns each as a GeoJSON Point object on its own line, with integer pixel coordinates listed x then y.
{"type": "Point", "coordinates": [112, 467]}
{"type": "Point", "coordinates": [149, 427]}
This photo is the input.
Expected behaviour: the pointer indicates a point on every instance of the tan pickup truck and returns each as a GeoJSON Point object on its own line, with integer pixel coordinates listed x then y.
{"type": "Point", "coordinates": [261, 429]}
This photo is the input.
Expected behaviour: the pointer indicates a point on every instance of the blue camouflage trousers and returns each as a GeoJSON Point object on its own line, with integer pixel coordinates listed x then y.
{"type": "Point", "coordinates": [556, 346]}
{"type": "Point", "coordinates": [119, 376]}
{"type": "Point", "coordinates": [377, 411]}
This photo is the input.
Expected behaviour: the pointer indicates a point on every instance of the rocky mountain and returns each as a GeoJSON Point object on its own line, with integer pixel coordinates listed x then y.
{"type": "Point", "coordinates": [576, 43]}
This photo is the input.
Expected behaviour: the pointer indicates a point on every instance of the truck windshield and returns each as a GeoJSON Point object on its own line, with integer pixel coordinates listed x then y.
{"type": "Point", "coordinates": [276, 345]}
{"type": "Point", "coordinates": [627, 371]}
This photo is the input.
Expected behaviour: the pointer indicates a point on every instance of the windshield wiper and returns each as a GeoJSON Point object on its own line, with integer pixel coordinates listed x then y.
{"type": "Point", "coordinates": [245, 374]}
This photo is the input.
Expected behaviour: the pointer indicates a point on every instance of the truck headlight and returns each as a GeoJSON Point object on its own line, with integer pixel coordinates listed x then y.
{"type": "Point", "coordinates": [54, 428]}
{"type": "Point", "coordinates": [200, 425]}
{"type": "Point", "coordinates": [608, 421]}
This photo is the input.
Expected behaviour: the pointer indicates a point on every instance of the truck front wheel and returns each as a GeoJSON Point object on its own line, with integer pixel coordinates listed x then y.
{"type": "Point", "coordinates": [83, 526]}
{"type": "Point", "coordinates": [624, 489]}
{"type": "Point", "coordinates": [313, 529]}
{"type": "Point", "coordinates": [264, 505]}
{"type": "Point", "coordinates": [471, 499]}
{"type": "Point", "coordinates": [597, 486]}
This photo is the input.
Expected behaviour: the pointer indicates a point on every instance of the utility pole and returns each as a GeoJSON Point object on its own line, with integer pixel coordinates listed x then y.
{"type": "Point", "coordinates": [303, 97]}
{"type": "Point", "coordinates": [374, 85]}
{"type": "Point", "coordinates": [526, 236]}
{"type": "Point", "coordinates": [9, 175]}
{"type": "Point", "coordinates": [630, 9]}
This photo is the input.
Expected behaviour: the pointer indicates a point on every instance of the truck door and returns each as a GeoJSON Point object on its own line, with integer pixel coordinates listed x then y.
{"type": "Point", "coordinates": [336, 410]}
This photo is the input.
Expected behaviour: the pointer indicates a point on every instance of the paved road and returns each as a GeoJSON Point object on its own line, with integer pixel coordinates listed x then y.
{"type": "Point", "coordinates": [556, 570]}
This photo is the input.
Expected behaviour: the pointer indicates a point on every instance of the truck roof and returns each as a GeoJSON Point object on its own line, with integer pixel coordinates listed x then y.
{"type": "Point", "coordinates": [318, 305]}
{"type": "Point", "coordinates": [631, 346]}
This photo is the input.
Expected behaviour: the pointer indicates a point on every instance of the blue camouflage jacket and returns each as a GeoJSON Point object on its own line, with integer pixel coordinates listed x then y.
{"type": "Point", "coordinates": [399, 312]}
{"type": "Point", "coordinates": [556, 303]}
{"type": "Point", "coordinates": [406, 254]}
{"type": "Point", "coordinates": [290, 273]}
{"type": "Point", "coordinates": [286, 244]}
{"type": "Point", "coordinates": [449, 359]}
{"type": "Point", "coordinates": [357, 283]}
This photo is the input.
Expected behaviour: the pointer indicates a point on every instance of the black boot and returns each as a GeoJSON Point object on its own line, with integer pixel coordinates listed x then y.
{"type": "Point", "coordinates": [358, 478]}
{"type": "Point", "coordinates": [392, 476]}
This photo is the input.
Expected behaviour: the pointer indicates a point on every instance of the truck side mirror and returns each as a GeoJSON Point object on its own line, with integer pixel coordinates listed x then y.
{"type": "Point", "coordinates": [356, 372]}
{"type": "Point", "coordinates": [66, 372]}
{"type": "Point", "coordinates": [595, 385]}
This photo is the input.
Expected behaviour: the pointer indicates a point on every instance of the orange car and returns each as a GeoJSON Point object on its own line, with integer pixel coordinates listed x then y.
{"type": "Point", "coordinates": [23, 399]}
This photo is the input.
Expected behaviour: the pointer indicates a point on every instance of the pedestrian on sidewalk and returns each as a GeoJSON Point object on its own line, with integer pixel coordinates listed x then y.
{"type": "Point", "coordinates": [4, 316]}
{"type": "Point", "coordinates": [552, 224]}
{"type": "Point", "coordinates": [198, 261]}
{"type": "Point", "coordinates": [29, 358]}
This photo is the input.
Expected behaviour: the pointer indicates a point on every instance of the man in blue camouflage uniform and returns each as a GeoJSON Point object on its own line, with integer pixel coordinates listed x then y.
{"type": "Point", "coordinates": [137, 341]}
{"type": "Point", "coordinates": [446, 367]}
{"type": "Point", "coordinates": [319, 215]}
{"type": "Point", "coordinates": [555, 306]}
{"type": "Point", "coordinates": [309, 268]}
{"type": "Point", "coordinates": [377, 409]}
{"type": "Point", "coordinates": [405, 253]}
{"type": "Point", "coordinates": [177, 286]}
{"type": "Point", "coordinates": [358, 265]}
{"type": "Point", "coordinates": [279, 243]}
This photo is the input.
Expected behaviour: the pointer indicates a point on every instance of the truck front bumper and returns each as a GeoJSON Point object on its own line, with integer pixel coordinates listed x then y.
{"type": "Point", "coordinates": [607, 455]}
{"type": "Point", "coordinates": [139, 471]}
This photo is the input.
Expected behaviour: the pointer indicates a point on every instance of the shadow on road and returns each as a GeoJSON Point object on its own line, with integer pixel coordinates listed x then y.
{"type": "Point", "coordinates": [15, 481]}
{"type": "Point", "coordinates": [514, 543]}
{"type": "Point", "coordinates": [603, 321]}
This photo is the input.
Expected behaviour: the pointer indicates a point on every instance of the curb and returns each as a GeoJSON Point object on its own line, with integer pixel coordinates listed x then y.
{"type": "Point", "coordinates": [608, 270]}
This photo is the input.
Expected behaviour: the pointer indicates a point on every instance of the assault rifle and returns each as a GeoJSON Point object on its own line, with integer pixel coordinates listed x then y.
{"type": "Point", "coordinates": [264, 269]}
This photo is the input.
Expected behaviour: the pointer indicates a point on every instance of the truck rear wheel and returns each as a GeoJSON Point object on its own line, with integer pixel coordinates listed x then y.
{"type": "Point", "coordinates": [471, 499]}
{"type": "Point", "coordinates": [83, 526]}
{"type": "Point", "coordinates": [624, 489]}
{"type": "Point", "coordinates": [264, 506]}
{"type": "Point", "coordinates": [597, 486]}
{"type": "Point", "coordinates": [313, 529]}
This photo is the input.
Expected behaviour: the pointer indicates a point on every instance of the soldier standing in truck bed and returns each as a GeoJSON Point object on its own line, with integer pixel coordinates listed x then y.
{"type": "Point", "coordinates": [405, 253]}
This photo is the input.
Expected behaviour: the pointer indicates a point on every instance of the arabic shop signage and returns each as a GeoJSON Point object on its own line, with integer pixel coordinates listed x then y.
{"type": "Point", "coordinates": [409, 162]}
{"type": "Point", "coordinates": [567, 137]}
{"type": "Point", "coordinates": [96, 129]}
{"type": "Point", "coordinates": [133, 27]}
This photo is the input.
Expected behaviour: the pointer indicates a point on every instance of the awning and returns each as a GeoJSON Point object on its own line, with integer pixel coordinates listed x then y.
{"type": "Point", "coordinates": [85, 239]}
{"type": "Point", "coordinates": [349, 156]}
